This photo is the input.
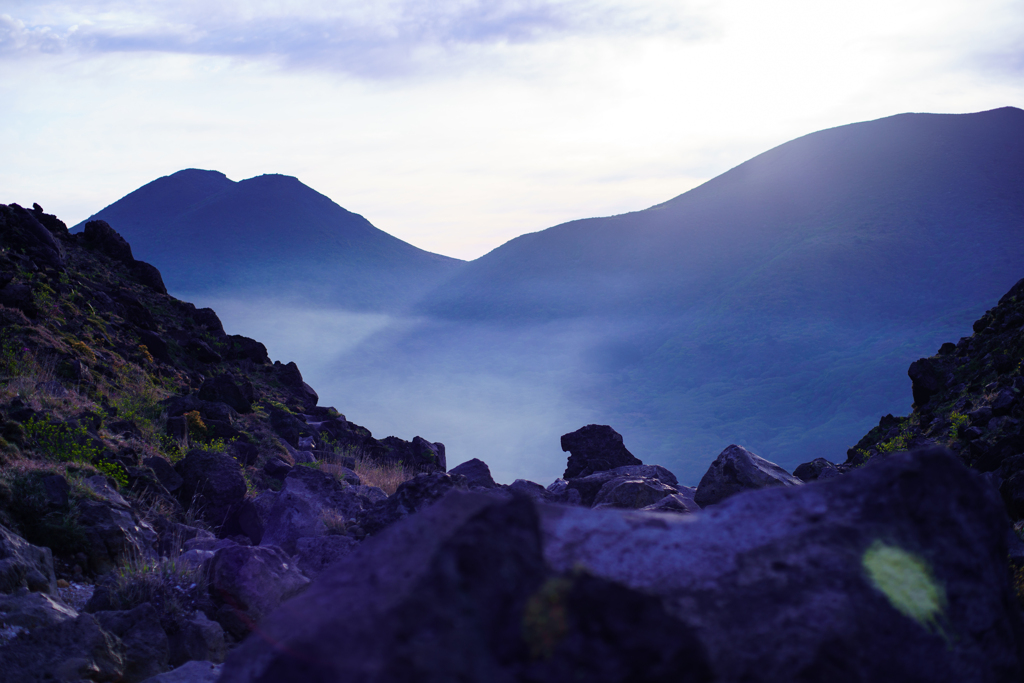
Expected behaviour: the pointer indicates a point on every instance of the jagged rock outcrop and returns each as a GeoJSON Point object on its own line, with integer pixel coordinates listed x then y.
{"type": "Point", "coordinates": [476, 472]}
{"type": "Point", "coordinates": [212, 484]}
{"type": "Point", "coordinates": [736, 469]}
{"type": "Point", "coordinates": [764, 588]}
{"type": "Point", "coordinates": [968, 397]}
{"type": "Point", "coordinates": [248, 582]}
{"type": "Point", "coordinates": [595, 448]}
{"type": "Point", "coordinates": [23, 565]}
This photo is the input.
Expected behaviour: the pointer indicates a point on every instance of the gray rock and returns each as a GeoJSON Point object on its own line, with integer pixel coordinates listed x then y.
{"type": "Point", "coordinates": [819, 468]}
{"type": "Point", "coordinates": [212, 483]}
{"type": "Point", "coordinates": [681, 502]}
{"type": "Point", "coordinates": [77, 649]}
{"type": "Point", "coordinates": [589, 486]}
{"type": "Point", "coordinates": [737, 469]}
{"type": "Point", "coordinates": [32, 610]}
{"type": "Point", "coordinates": [314, 554]}
{"type": "Point", "coordinates": [459, 592]}
{"type": "Point", "coordinates": [631, 493]}
{"type": "Point", "coordinates": [595, 448]}
{"type": "Point", "coordinates": [198, 638]}
{"type": "Point", "coordinates": [775, 580]}
{"type": "Point", "coordinates": [476, 472]}
{"type": "Point", "coordinates": [146, 648]}
{"type": "Point", "coordinates": [190, 672]}
{"type": "Point", "coordinates": [23, 565]}
{"type": "Point", "coordinates": [113, 535]}
{"type": "Point", "coordinates": [411, 496]}
{"type": "Point", "coordinates": [247, 582]}
{"type": "Point", "coordinates": [530, 489]}
{"type": "Point", "coordinates": [164, 471]}
{"type": "Point", "coordinates": [307, 496]}
{"type": "Point", "coordinates": [99, 485]}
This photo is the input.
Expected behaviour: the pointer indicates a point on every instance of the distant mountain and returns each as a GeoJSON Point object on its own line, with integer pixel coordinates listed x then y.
{"type": "Point", "coordinates": [269, 235]}
{"type": "Point", "coordinates": [776, 305]}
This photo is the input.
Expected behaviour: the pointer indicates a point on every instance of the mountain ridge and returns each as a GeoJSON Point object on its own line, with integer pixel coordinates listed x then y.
{"type": "Point", "coordinates": [271, 233]}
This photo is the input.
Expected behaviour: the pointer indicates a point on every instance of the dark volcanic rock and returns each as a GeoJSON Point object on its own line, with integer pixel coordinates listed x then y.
{"type": "Point", "coordinates": [23, 565]}
{"type": "Point", "coordinates": [460, 592]}
{"type": "Point", "coordinates": [148, 275]}
{"type": "Point", "coordinates": [224, 389]}
{"type": "Point", "coordinates": [307, 496]}
{"type": "Point", "coordinates": [819, 468]}
{"type": "Point", "coordinates": [595, 448]}
{"type": "Point", "coordinates": [589, 486]}
{"type": "Point", "coordinates": [737, 469]}
{"type": "Point", "coordinates": [632, 493]}
{"type": "Point", "coordinates": [927, 378]}
{"type": "Point", "coordinates": [113, 535]}
{"type": "Point", "coordinates": [212, 482]}
{"type": "Point", "coordinates": [146, 648]}
{"type": "Point", "coordinates": [411, 496]}
{"type": "Point", "coordinates": [248, 582]}
{"type": "Point", "coordinates": [74, 650]}
{"type": "Point", "coordinates": [866, 577]}
{"type": "Point", "coordinates": [476, 472]}
{"type": "Point", "coordinates": [100, 236]}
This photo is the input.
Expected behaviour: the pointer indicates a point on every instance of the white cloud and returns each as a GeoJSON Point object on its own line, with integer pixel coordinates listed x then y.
{"type": "Point", "coordinates": [459, 125]}
{"type": "Point", "coordinates": [383, 39]}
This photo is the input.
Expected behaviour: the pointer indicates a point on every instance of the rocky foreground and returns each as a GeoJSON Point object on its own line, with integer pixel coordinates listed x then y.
{"type": "Point", "coordinates": [175, 507]}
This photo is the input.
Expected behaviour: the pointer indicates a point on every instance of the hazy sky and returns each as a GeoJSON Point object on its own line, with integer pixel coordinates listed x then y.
{"type": "Point", "coordinates": [457, 125]}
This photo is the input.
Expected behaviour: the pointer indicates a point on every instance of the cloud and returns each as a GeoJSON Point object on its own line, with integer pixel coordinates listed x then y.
{"type": "Point", "coordinates": [387, 39]}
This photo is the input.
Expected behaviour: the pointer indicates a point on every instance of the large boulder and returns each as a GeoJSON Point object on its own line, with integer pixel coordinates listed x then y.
{"type": "Point", "coordinates": [737, 469]}
{"type": "Point", "coordinates": [32, 610]}
{"type": "Point", "coordinates": [224, 389]}
{"type": "Point", "coordinates": [632, 493]}
{"type": "Point", "coordinates": [460, 592]}
{"type": "Point", "coordinates": [23, 565]}
{"type": "Point", "coordinates": [896, 571]}
{"type": "Point", "coordinates": [212, 485]}
{"type": "Point", "coordinates": [595, 448]}
{"type": "Point", "coordinates": [74, 650]}
{"type": "Point", "coordinates": [927, 379]}
{"type": "Point", "coordinates": [817, 469]}
{"type": "Point", "coordinates": [411, 496]}
{"type": "Point", "coordinates": [248, 582]}
{"type": "Point", "coordinates": [476, 472]}
{"type": "Point", "coordinates": [103, 238]}
{"type": "Point", "coordinates": [590, 485]}
{"type": "Point", "coordinates": [143, 639]}
{"type": "Point", "coordinates": [307, 497]}
{"type": "Point", "coordinates": [113, 534]}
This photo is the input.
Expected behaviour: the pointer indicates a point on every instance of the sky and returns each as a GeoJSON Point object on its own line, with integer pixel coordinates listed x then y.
{"type": "Point", "coordinates": [457, 125]}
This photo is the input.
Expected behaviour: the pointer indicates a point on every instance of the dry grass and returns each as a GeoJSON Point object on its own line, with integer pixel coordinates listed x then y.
{"type": "Point", "coordinates": [384, 477]}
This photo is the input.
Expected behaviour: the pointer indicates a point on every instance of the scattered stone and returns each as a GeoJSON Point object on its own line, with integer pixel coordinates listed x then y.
{"type": "Point", "coordinates": [631, 493]}
{"type": "Point", "coordinates": [247, 582]}
{"type": "Point", "coordinates": [819, 468]}
{"type": "Point", "coordinates": [212, 483]}
{"type": "Point", "coordinates": [736, 469]}
{"type": "Point", "coordinates": [476, 472]}
{"type": "Point", "coordinates": [595, 448]}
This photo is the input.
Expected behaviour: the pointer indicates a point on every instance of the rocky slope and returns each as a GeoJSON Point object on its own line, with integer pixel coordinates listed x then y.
{"type": "Point", "coordinates": [133, 424]}
{"type": "Point", "coordinates": [212, 512]}
{"type": "Point", "coordinates": [968, 397]}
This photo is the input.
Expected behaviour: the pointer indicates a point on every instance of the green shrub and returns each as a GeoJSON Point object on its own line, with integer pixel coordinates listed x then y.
{"type": "Point", "coordinates": [115, 471]}
{"type": "Point", "coordinates": [61, 441]}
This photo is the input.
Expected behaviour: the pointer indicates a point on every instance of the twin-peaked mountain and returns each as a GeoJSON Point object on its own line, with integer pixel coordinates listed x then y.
{"type": "Point", "coordinates": [777, 305]}
{"type": "Point", "coordinates": [269, 235]}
